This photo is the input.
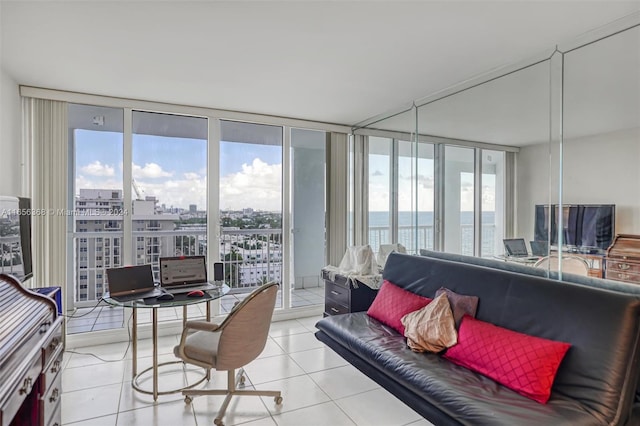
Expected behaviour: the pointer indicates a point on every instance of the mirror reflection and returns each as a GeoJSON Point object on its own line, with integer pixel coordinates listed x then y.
{"type": "Point", "coordinates": [541, 160]}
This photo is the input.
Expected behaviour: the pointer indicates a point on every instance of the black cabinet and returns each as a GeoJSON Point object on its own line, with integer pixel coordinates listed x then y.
{"type": "Point", "coordinates": [342, 295]}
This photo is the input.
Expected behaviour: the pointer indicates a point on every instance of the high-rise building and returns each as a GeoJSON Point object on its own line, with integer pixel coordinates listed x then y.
{"type": "Point", "coordinates": [99, 215]}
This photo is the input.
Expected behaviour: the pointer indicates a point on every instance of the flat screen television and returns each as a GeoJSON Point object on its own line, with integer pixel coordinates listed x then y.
{"type": "Point", "coordinates": [15, 237]}
{"type": "Point", "coordinates": [585, 226]}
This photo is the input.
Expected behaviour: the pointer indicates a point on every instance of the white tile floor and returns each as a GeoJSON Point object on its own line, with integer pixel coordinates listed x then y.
{"type": "Point", "coordinates": [318, 387]}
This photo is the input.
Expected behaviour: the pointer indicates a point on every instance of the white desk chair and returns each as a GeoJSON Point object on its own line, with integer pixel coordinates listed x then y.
{"type": "Point", "coordinates": [570, 264]}
{"type": "Point", "coordinates": [231, 345]}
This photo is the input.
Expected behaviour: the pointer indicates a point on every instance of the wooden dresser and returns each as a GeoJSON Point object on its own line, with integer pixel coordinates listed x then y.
{"type": "Point", "coordinates": [622, 262]}
{"type": "Point", "coordinates": [31, 347]}
{"type": "Point", "coordinates": [342, 296]}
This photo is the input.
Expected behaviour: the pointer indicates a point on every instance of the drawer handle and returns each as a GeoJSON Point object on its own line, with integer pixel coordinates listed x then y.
{"type": "Point", "coordinates": [26, 385]}
{"type": "Point", "coordinates": [334, 310]}
{"type": "Point", "coordinates": [54, 395]}
{"type": "Point", "coordinates": [623, 276]}
{"type": "Point", "coordinates": [624, 266]}
{"type": "Point", "coordinates": [54, 344]}
{"type": "Point", "coordinates": [55, 367]}
{"type": "Point", "coordinates": [335, 293]}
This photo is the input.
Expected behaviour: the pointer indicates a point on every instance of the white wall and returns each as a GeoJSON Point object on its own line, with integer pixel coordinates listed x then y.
{"type": "Point", "coordinates": [600, 169]}
{"type": "Point", "coordinates": [10, 135]}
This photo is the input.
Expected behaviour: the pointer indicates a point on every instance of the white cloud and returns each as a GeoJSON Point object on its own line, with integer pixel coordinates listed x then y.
{"type": "Point", "coordinates": [150, 170]}
{"type": "Point", "coordinates": [191, 176]}
{"type": "Point", "coordinates": [178, 192]}
{"type": "Point", "coordinates": [98, 169]}
{"type": "Point", "coordinates": [258, 185]}
{"type": "Point", "coordinates": [90, 182]}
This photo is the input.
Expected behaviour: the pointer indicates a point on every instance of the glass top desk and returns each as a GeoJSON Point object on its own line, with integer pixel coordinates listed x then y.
{"type": "Point", "coordinates": [179, 300]}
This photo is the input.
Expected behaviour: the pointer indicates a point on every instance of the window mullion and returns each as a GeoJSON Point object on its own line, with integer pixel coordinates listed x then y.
{"type": "Point", "coordinates": [393, 186]}
{"type": "Point", "coordinates": [287, 259]}
{"type": "Point", "coordinates": [477, 200]}
{"type": "Point", "coordinates": [127, 180]}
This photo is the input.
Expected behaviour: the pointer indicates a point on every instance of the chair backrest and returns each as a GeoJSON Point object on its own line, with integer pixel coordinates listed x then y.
{"type": "Point", "coordinates": [570, 264]}
{"type": "Point", "coordinates": [244, 332]}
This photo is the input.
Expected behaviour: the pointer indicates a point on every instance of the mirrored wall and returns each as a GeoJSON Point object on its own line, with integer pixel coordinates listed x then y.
{"type": "Point", "coordinates": [534, 164]}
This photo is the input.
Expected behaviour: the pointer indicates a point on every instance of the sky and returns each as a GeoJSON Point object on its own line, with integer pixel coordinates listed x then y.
{"type": "Point", "coordinates": [408, 197]}
{"type": "Point", "coordinates": [174, 169]}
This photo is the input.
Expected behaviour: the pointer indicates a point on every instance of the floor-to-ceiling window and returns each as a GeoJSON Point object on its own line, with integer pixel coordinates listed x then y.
{"type": "Point", "coordinates": [380, 191]}
{"type": "Point", "coordinates": [250, 203]}
{"type": "Point", "coordinates": [435, 195]}
{"type": "Point", "coordinates": [307, 213]}
{"type": "Point", "coordinates": [169, 182]}
{"type": "Point", "coordinates": [148, 185]}
{"type": "Point", "coordinates": [492, 196]}
{"type": "Point", "coordinates": [96, 137]}
{"type": "Point", "coordinates": [415, 183]}
{"type": "Point", "coordinates": [459, 200]}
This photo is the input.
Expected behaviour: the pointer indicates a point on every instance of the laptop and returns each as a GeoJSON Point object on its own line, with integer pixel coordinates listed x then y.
{"type": "Point", "coordinates": [182, 274]}
{"type": "Point", "coordinates": [539, 248]}
{"type": "Point", "coordinates": [131, 283]}
{"type": "Point", "coordinates": [517, 248]}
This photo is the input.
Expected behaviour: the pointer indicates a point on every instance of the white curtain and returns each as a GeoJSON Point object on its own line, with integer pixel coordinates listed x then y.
{"type": "Point", "coordinates": [337, 200]}
{"type": "Point", "coordinates": [45, 179]}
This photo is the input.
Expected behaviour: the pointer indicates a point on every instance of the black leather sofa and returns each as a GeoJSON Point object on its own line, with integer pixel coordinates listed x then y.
{"type": "Point", "coordinates": [595, 385]}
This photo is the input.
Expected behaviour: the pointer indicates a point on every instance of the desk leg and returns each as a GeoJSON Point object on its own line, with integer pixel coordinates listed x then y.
{"type": "Point", "coordinates": [184, 316]}
{"type": "Point", "coordinates": [208, 376]}
{"type": "Point", "coordinates": [134, 343]}
{"type": "Point", "coordinates": [154, 313]}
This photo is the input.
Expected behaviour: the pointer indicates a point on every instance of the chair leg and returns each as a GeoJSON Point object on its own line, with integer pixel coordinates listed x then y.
{"type": "Point", "coordinates": [231, 389]}
{"type": "Point", "coordinates": [232, 380]}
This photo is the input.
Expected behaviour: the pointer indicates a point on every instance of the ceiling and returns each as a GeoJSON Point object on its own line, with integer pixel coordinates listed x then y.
{"type": "Point", "coordinates": [334, 61]}
{"type": "Point", "coordinates": [601, 94]}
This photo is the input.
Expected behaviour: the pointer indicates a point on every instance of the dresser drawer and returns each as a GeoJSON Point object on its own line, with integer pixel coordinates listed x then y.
{"type": "Point", "coordinates": [56, 417]}
{"type": "Point", "coordinates": [333, 308]}
{"type": "Point", "coordinates": [52, 370]}
{"type": "Point", "coordinates": [51, 400]}
{"type": "Point", "coordinates": [53, 345]}
{"type": "Point", "coordinates": [615, 265]}
{"type": "Point", "coordinates": [336, 293]}
{"type": "Point", "coordinates": [629, 277]}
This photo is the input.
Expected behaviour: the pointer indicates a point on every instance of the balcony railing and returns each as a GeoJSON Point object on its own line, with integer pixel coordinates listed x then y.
{"type": "Point", "coordinates": [251, 257]}
{"type": "Point", "coordinates": [408, 235]}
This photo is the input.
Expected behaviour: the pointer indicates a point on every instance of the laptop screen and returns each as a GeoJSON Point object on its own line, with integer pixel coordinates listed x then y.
{"type": "Point", "coordinates": [130, 280]}
{"type": "Point", "coordinates": [539, 248]}
{"type": "Point", "coordinates": [515, 247]}
{"type": "Point", "coordinates": [182, 270]}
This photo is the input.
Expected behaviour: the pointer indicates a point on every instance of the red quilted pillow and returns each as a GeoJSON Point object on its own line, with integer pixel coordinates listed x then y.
{"type": "Point", "coordinates": [523, 363]}
{"type": "Point", "coordinates": [392, 303]}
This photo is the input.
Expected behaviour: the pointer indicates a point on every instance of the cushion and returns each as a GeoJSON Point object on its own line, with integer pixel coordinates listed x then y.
{"type": "Point", "coordinates": [525, 364]}
{"type": "Point", "coordinates": [431, 329]}
{"type": "Point", "coordinates": [461, 305]}
{"type": "Point", "coordinates": [392, 303]}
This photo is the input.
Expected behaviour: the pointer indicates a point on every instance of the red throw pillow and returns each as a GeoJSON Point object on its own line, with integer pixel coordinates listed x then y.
{"type": "Point", "coordinates": [392, 303]}
{"type": "Point", "coordinates": [526, 364]}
